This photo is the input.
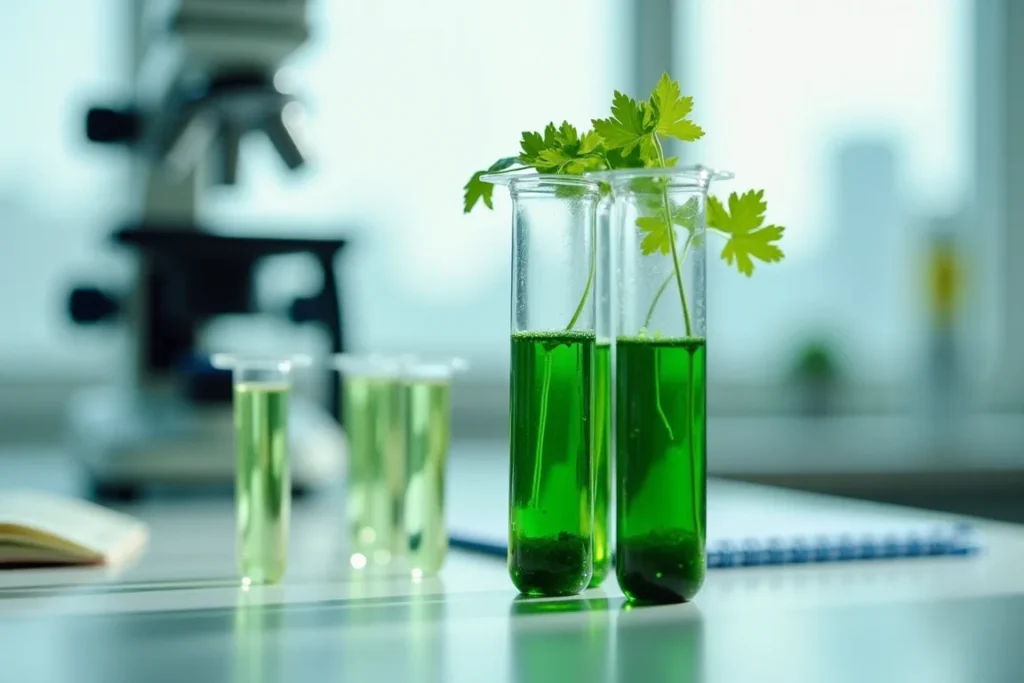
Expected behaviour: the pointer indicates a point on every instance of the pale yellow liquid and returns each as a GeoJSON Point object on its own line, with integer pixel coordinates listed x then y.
{"type": "Point", "coordinates": [376, 469]}
{"type": "Point", "coordinates": [262, 480]}
{"type": "Point", "coordinates": [427, 433]}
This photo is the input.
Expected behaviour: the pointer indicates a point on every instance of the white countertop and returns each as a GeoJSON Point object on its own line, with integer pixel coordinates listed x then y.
{"type": "Point", "coordinates": [179, 613]}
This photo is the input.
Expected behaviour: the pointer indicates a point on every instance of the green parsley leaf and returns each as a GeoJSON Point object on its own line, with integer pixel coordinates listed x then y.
{"type": "Point", "coordinates": [590, 142]}
{"type": "Point", "coordinates": [562, 150]}
{"type": "Point", "coordinates": [477, 189]}
{"type": "Point", "coordinates": [748, 238]}
{"type": "Point", "coordinates": [563, 160]}
{"type": "Point", "coordinates": [655, 235]}
{"type": "Point", "coordinates": [567, 135]}
{"type": "Point", "coordinates": [630, 124]}
{"type": "Point", "coordinates": [670, 112]}
{"type": "Point", "coordinates": [686, 215]}
{"type": "Point", "coordinates": [532, 144]}
{"type": "Point", "coordinates": [549, 134]}
{"type": "Point", "coordinates": [617, 159]}
{"type": "Point", "coordinates": [655, 232]}
{"type": "Point", "coordinates": [501, 164]}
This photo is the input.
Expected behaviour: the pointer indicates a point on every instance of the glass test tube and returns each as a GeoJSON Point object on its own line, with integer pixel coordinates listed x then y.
{"type": "Point", "coordinates": [426, 421]}
{"type": "Point", "coordinates": [660, 425]}
{"type": "Point", "coordinates": [552, 365]}
{"type": "Point", "coordinates": [371, 417]}
{"type": "Point", "coordinates": [602, 399]}
{"type": "Point", "coordinates": [262, 386]}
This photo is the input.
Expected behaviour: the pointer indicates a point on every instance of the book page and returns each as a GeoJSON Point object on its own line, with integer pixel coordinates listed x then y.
{"type": "Point", "coordinates": [77, 529]}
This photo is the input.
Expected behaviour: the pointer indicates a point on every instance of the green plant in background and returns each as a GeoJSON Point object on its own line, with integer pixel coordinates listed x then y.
{"type": "Point", "coordinates": [817, 361]}
{"type": "Point", "coordinates": [632, 137]}
{"type": "Point", "coordinates": [817, 372]}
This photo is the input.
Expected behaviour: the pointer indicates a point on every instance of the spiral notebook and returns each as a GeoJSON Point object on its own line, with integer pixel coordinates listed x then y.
{"type": "Point", "coordinates": [750, 525]}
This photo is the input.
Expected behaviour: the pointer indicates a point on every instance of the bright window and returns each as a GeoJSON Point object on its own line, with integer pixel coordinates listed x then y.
{"type": "Point", "coordinates": [854, 118]}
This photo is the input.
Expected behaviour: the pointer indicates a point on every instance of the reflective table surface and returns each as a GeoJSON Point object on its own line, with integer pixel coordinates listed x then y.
{"type": "Point", "coordinates": [180, 614]}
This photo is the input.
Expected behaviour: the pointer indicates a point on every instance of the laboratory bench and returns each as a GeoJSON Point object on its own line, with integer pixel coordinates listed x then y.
{"type": "Point", "coordinates": [180, 613]}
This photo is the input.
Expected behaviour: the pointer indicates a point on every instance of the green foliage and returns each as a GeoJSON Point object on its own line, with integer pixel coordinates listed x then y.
{"type": "Point", "coordinates": [743, 223]}
{"type": "Point", "coordinates": [631, 137]}
{"type": "Point", "coordinates": [477, 189]}
{"type": "Point", "coordinates": [655, 228]}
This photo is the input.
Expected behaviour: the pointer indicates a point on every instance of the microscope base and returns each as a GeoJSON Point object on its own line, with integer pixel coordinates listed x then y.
{"type": "Point", "coordinates": [128, 444]}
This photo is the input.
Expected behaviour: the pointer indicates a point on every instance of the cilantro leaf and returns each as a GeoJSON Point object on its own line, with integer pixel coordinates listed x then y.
{"type": "Point", "coordinates": [477, 189]}
{"type": "Point", "coordinates": [630, 124]}
{"type": "Point", "coordinates": [670, 111]}
{"type": "Point", "coordinates": [655, 235]}
{"type": "Point", "coordinates": [532, 144]}
{"type": "Point", "coordinates": [686, 215]}
{"type": "Point", "coordinates": [564, 160]}
{"type": "Point", "coordinates": [549, 134]}
{"type": "Point", "coordinates": [618, 159]}
{"type": "Point", "coordinates": [748, 238]}
{"type": "Point", "coordinates": [655, 232]}
{"type": "Point", "coordinates": [562, 150]}
{"type": "Point", "coordinates": [590, 142]}
{"type": "Point", "coordinates": [566, 135]}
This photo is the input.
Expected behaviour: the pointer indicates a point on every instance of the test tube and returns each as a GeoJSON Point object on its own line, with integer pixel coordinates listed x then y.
{"type": "Point", "coordinates": [262, 386]}
{"type": "Point", "coordinates": [426, 429]}
{"type": "Point", "coordinates": [551, 501]}
{"type": "Point", "coordinates": [371, 416]}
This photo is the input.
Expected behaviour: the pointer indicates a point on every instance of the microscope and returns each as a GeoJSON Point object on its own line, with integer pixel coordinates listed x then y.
{"type": "Point", "coordinates": [205, 78]}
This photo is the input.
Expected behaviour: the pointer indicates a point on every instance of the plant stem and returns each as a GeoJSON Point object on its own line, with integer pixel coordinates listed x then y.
{"type": "Point", "coordinates": [672, 240]}
{"type": "Point", "coordinates": [590, 283]}
{"type": "Point", "coordinates": [545, 390]}
{"type": "Point", "coordinates": [665, 284]}
{"type": "Point", "coordinates": [657, 398]}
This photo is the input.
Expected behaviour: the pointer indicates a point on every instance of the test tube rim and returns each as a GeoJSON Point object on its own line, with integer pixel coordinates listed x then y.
{"type": "Point", "coordinates": [438, 369]}
{"type": "Point", "coordinates": [243, 361]}
{"type": "Point", "coordinates": [697, 175]}
{"type": "Point", "coordinates": [510, 180]}
{"type": "Point", "coordinates": [366, 364]}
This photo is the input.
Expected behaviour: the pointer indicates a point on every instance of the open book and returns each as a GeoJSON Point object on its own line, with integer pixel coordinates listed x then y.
{"type": "Point", "coordinates": [38, 529]}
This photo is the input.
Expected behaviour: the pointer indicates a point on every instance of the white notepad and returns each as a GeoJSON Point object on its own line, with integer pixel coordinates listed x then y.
{"type": "Point", "coordinates": [45, 529]}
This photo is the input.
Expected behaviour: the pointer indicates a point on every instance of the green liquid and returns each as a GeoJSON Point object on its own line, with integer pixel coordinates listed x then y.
{"type": "Point", "coordinates": [602, 462]}
{"type": "Point", "coordinates": [262, 482]}
{"type": "Point", "coordinates": [376, 471]}
{"type": "Point", "coordinates": [660, 456]}
{"type": "Point", "coordinates": [427, 430]}
{"type": "Point", "coordinates": [550, 465]}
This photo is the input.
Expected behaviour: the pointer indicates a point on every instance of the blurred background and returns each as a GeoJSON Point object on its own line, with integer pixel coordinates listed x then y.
{"type": "Point", "coordinates": [882, 359]}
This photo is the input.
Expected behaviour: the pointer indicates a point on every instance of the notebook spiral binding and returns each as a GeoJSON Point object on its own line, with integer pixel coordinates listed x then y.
{"type": "Point", "coordinates": [959, 539]}
{"type": "Point", "coordinates": [955, 540]}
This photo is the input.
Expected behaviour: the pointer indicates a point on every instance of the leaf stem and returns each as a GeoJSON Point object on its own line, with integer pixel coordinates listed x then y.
{"type": "Point", "coordinates": [665, 284]}
{"type": "Point", "coordinates": [509, 170]}
{"type": "Point", "coordinates": [590, 283]}
{"type": "Point", "coordinates": [657, 398]}
{"type": "Point", "coordinates": [543, 420]}
{"type": "Point", "coordinates": [546, 383]}
{"type": "Point", "coordinates": [672, 239]}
